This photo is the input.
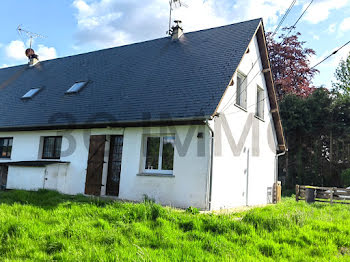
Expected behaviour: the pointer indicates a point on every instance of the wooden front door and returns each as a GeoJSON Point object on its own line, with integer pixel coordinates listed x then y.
{"type": "Point", "coordinates": [114, 165]}
{"type": "Point", "coordinates": [3, 177]}
{"type": "Point", "coordinates": [93, 181]}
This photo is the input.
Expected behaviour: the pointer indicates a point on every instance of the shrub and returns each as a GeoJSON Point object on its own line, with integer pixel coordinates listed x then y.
{"type": "Point", "coordinates": [192, 210]}
{"type": "Point", "coordinates": [345, 177]}
{"type": "Point", "coordinates": [147, 199]}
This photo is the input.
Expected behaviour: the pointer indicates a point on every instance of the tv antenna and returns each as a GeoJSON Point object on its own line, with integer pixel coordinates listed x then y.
{"type": "Point", "coordinates": [172, 4]}
{"type": "Point", "coordinates": [29, 34]}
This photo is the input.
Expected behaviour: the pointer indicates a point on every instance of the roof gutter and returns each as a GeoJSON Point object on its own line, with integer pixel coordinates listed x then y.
{"type": "Point", "coordinates": [137, 123]}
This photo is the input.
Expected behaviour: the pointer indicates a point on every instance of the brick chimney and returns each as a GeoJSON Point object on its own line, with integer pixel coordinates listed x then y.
{"type": "Point", "coordinates": [177, 31]}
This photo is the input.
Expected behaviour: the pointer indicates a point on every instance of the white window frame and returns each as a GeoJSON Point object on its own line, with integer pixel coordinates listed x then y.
{"type": "Point", "coordinates": [239, 100]}
{"type": "Point", "coordinates": [259, 88]}
{"type": "Point", "coordinates": [160, 157]}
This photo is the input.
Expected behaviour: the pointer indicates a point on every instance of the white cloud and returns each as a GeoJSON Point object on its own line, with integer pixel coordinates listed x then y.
{"type": "Point", "coordinates": [269, 10]}
{"type": "Point", "coordinates": [16, 50]}
{"type": "Point", "coordinates": [316, 37]}
{"type": "Point", "coordinates": [331, 28]}
{"type": "Point", "coordinates": [107, 23]}
{"type": "Point", "coordinates": [320, 10]}
{"type": "Point", "coordinates": [345, 25]}
{"type": "Point", "coordinates": [46, 53]}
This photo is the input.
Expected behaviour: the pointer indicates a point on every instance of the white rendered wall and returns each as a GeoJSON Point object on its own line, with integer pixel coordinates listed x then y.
{"type": "Point", "coordinates": [26, 178]}
{"type": "Point", "coordinates": [186, 188]}
{"type": "Point", "coordinates": [51, 177]}
{"type": "Point", "coordinates": [27, 147]}
{"type": "Point", "coordinates": [230, 172]}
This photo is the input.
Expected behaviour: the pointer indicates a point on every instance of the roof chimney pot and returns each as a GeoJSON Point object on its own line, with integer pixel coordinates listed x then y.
{"type": "Point", "coordinates": [177, 30]}
{"type": "Point", "coordinates": [33, 58]}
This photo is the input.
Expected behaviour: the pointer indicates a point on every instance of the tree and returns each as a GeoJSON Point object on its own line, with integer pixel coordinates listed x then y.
{"type": "Point", "coordinates": [290, 65]}
{"type": "Point", "coordinates": [317, 129]}
{"type": "Point", "coordinates": [342, 74]}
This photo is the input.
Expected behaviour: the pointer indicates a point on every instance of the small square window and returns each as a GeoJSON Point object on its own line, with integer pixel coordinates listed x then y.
{"type": "Point", "coordinates": [31, 93]}
{"type": "Point", "coordinates": [52, 147]}
{"type": "Point", "coordinates": [6, 147]}
{"type": "Point", "coordinates": [77, 87]}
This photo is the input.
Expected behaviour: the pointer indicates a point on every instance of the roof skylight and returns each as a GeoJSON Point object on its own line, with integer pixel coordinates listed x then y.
{"type": "Point", "coordinates": [31, 93]}
{"type": "Point", "coordinates": [77, 87]}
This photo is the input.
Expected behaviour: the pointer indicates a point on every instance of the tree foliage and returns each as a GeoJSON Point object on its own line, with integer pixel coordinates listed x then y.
{"type": "Point", "coordinates": [290, 65]}
{"type": "Point", "coordinates": [342, 74]}
{"type": "Point", "coordinates": [317, 130]}
{"type": "Point", "coordinates": [316, 121]}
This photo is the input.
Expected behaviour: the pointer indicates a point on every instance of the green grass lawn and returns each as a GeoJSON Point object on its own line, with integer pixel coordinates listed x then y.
{"type": "Point", "coordinates": [46, 226]}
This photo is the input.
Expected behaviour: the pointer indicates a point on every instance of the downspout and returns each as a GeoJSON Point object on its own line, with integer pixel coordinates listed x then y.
{"type": "Point", "coordinates": [276, 164]}
{"type": "Point", "coordinates": [211, 165]}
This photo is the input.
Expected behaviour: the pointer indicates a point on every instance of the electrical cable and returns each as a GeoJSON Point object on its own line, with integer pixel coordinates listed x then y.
{"type": "Point", "coordinates": [327, 57]}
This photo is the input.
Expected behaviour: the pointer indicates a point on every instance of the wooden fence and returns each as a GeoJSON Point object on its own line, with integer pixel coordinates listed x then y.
{"type": "Point", "coordinates": [330, 195]}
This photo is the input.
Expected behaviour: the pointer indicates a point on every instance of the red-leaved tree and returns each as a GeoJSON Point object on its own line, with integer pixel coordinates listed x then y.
{"type": "Point", "coordinates": [290, 65]}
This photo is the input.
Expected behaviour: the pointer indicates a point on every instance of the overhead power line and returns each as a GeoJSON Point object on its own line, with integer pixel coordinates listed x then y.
{"type": "Point", "coordinates": [296, 22]}
{"type": "Point", "coordinates": [333, 53]}
{"type": "Point", "coordinates": [240, 110]}
{"type": "Point", "coordinates": [284, 17]}
{"type": "Point", "coordinates": [229, 103]}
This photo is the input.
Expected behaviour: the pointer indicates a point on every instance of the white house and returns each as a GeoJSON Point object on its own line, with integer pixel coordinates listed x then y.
{"type": "Point", "coordinates": [189, 120]}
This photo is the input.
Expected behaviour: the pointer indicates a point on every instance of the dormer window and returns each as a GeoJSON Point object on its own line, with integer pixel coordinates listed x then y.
{"type": "Point", "coordinates": [77, 87]}
{"type": "Point", "coordinates": [31, 93]}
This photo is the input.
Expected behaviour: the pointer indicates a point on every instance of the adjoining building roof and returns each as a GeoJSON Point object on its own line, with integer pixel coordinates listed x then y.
{"type": "Point", "coordinates": [154, 81]}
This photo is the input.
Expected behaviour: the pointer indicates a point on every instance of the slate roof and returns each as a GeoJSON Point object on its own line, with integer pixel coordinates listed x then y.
{"type": "Point", "coordinates": [157, 79]}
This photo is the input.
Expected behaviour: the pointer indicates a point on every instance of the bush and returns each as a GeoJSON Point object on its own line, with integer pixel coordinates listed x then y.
{"type": "Point", "coordinates": [345, 177]}
{"type": "Point", "coordinates": [192, 210]}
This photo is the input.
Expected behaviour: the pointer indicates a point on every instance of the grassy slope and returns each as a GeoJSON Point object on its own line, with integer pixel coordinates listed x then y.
{"type": "Point", "coordinates": [48, 226]}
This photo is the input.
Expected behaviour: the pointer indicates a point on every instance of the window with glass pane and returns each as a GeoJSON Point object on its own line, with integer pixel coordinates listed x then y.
{"type": "Point", "coordinates": [241, 92]}
{"type": "Point", "coordinates": [31, 93]}
{"type": "Point", "coordinates": [152, 154]}
{"type": "Point", "coordinates": [168, 152]}
{"type": "Point", "coordinates": [6, 147]}
{"type": "Point", "coordinates": [52, 147]}
{"type": "Point", "coordinates": [76, 87]}
{"type": "Point", "coordinates": [260, 103]}
{"type": "Point", "coordinates": [160, 154]}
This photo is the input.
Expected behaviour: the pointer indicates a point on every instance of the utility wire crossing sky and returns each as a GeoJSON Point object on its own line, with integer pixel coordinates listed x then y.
{"type": "Point", "coordinates": [78, 26]}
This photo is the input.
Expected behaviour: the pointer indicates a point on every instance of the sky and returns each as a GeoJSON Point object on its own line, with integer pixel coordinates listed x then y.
{"type": "Point", "coordinates": [71, 27]}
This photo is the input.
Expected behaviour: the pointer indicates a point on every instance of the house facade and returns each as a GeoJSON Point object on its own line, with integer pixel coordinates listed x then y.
{"type": "Point", "coordinates": [190, 120]}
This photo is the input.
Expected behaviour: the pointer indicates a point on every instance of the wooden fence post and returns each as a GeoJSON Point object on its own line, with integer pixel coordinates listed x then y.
{"type": "Point", "coordinates": [297, 192]}
{"type": "Point", "coordinates": [332, 193]}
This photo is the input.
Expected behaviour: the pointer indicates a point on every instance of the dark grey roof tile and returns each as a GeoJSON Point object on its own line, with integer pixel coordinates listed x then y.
{"type": "Point", "coordinates": [182, 79]}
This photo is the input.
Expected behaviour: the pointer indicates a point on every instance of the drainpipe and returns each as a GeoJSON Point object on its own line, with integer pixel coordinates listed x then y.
{"type": "Point", "coordinates": [211, 164]}
{"type": "Point", "coordinates": [276, 160]}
